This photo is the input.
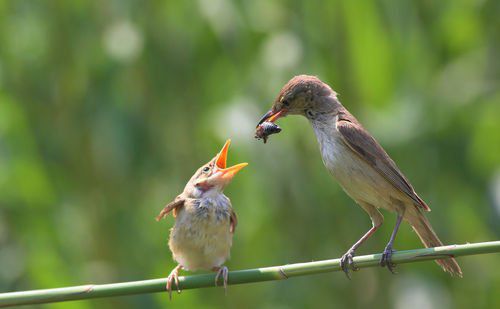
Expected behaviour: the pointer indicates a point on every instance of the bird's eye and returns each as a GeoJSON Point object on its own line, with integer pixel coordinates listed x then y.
{"type": "Point", "coordinates": [286, 103]}
{"type": "Point", "coordinates": [205, 169]}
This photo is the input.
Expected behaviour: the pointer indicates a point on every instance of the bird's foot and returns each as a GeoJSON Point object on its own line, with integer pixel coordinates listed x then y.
{"type": "Point", "coordinates": [347, 263]}
{"type": "Point", "coordinates": [221, 271]}
{"type": "Point", "coordinates": [173, 277]}
{"type": "Point", "coordinates": [386, 260]}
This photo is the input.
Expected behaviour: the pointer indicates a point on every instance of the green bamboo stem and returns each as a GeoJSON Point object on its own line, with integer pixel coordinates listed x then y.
{"type": "Point", "coordinates": [239, 276]}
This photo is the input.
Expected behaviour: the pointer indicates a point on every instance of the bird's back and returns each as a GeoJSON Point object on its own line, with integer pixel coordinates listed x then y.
{"type": "Point", "coordinates": [358, 179]}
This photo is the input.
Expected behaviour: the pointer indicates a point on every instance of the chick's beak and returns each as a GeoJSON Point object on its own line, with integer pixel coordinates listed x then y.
{"type": "Point", "coordinates": [272, 115]}
{"type": "Point", "coordinates": [223, 173]}
{"type": "Point", "coordinates": [228, 173]}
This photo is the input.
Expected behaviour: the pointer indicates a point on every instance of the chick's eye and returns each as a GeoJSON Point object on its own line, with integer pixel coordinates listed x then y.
{"type": "Point", "coordinates": [206, 169]}
{"type": "Point", "coordinates": [286, 103]}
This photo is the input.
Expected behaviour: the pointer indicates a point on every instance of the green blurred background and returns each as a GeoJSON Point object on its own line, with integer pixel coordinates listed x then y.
{"type": "Point", "coordinates": [108, 107]}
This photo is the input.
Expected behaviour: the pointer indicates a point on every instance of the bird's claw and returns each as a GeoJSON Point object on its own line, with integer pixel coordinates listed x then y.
{"type": "Point", "coordinates": [347, 263]}
{"type": "Point", "coordinates": [173, 277]}
{"type": "Point", "coordinates": [222, 271]}
{"type": "Point", "coordinates": [386, 260]}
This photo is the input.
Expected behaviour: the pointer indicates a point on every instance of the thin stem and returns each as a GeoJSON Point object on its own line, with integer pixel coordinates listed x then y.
{"type": "Point", "coordinates": [238, 277]}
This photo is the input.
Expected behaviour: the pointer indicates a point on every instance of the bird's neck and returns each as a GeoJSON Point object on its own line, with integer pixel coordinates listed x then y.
{"type": "Point", "coordinates": [325, 129]}
{"type": "Point", "coordinates": [323, 108]}
{"type": "Point", "coordinates": [324, 112]}
{"type": "Point", "coordinates": [216, 201]}
{"type": "Point", "coordinates": [212, 193]}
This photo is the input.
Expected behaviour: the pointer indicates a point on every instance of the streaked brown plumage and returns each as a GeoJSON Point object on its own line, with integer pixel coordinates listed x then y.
{"type": "Point", "coordinates": [358, 162]}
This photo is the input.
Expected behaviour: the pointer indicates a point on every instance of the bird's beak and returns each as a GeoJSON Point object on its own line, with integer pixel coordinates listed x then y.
{"type": "Point", "coordinates": [272, 115]}
{"type": "Point", "coordinates": [226, 173]}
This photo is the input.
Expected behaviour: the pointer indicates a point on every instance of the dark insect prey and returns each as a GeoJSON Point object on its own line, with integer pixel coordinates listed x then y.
{"type": "Point", "coordinates": [265, 129]}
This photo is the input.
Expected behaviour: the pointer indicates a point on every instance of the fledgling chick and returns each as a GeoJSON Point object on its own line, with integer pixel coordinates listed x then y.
{"type": "Point", "coordinates": [204, 220]}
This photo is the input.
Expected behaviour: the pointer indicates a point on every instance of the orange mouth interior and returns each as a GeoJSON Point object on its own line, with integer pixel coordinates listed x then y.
{"type": "Point", "coordinates": [221, 161]}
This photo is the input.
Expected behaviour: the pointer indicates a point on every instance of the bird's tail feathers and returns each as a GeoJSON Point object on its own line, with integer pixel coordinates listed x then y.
{"type": "Point", "coordinates": [429, 238]}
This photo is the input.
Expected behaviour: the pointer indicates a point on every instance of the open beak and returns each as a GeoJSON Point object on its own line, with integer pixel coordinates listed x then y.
{"type": "Point", "coordinates": [272, 115]}
{"type": "Point", "coordinates": [226, 173]}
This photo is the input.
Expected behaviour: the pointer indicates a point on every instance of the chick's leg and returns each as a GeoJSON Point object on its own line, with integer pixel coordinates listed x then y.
{"type": "Point", "coordinates": [221, 271]}
{"type": "Point", "coordinates": [173, 277]}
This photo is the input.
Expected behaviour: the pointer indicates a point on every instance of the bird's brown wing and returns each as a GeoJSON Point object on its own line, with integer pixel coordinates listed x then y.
{"type": "Point", "coordinates": [233, 221]}
{"type": "Point", "coordinates": [172, 206]}
{"type": "Point", "coordinates": [363, 144]}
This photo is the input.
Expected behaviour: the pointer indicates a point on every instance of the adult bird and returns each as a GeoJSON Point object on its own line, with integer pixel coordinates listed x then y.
{"type": "Point", "coordinates": [204, 220]}
{"type": "Point", "coordinates": [360, 165]}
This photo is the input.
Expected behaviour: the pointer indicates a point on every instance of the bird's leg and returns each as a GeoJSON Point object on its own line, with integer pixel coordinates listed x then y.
{"type": "Point", "coordinates": [387, 255]}
{"type": "Point", "coordinates": [346, 261]}
{"type": "Point", "coordinates": [173, 277]}
{"type": "Point", "coordinates": [221, 271]}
